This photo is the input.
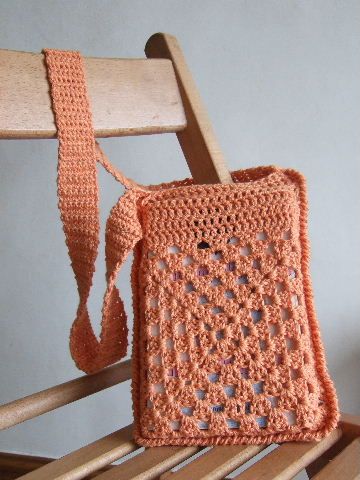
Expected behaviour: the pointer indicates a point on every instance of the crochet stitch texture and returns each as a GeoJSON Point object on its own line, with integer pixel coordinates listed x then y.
{"type": "Point", "coordinates": [226, 347]}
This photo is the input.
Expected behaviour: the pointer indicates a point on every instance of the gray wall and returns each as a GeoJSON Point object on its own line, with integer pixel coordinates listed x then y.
{"type": "Point", "coordinates": [281, 83]}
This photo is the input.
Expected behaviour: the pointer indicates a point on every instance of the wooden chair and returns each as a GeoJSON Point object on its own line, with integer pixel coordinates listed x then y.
{"type": "Point", "coordinates": [160, 97]}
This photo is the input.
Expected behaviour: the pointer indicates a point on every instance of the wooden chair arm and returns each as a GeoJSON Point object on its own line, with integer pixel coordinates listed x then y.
{"type": "Point", "coordinates": [38, 403]}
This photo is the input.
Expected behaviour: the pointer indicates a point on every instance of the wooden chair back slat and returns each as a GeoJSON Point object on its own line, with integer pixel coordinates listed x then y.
{"type": "Point", "coordinates": [128, 96]}
{"type": "Point", "coordinates": [198, 141]}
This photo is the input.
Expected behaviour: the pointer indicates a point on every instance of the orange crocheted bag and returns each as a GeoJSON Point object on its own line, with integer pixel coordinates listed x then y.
{"type": "Point", "coordinates": [226, 346]}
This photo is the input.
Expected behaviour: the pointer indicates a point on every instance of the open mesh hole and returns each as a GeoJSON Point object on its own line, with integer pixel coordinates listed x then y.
{"type": "Point", "coordinates": [213, 377]}
{"type": "Point", "coordinates": [202, 271]}
{"type": "Point", "coordinates": [232, 424]}
{"type": "Point", "coordinates": [274, 401]}
{"type": "Point", "coordinates": [175, 425]}
{"type": "Point", "coordinates": [203, 245]}
{"type": "Point", "coordinates": [256, 264]}
{"type": "Point", "coordinates": [157, 360]}
{"type": "Point", "coordinates": [295, 301]}
{"type": "Point", "coordinates": [158, 388]}
{"type": "Point", "coordinates": [226, 361]}
{"type": "Point", "coordinates": [155, 330]}
{"type": "Point", "coordinates": [188, 411]}
{"type": "Point", "coordinates": [262, 421]}
{"type": "Point", "coordinates": [217, 408]}
{"type": "Point", "coordinates": [262, 345]}
{"type": "Point", "coordinates": [215, 282]}
{"type": "Point", "coordinates": [230, 267]}
{"type": "Point", "coordinates": [217, 310]}
{"type": "Point", "coordinates": [292, 273]}
{"type": "Point", "coordinates": [286, 235]}
{"type": "Point", "coordinates": [245, 330]}
{"type": "Point", "coordinates": [244, 373]}
{"type": "Point", "coordinates": [173, 372]}
{"type": "Point", "coordinates": [203, 300]}
{"type": "Point", "coordinates": [256, 315]}
{"type": "Point", "coordinates": [203, 425]}
{"type": "Point", "coordinates": [274, 329]}
{"type": "Point", "coordinates": [233, 241]}
{"type": "Point", "coordinates": [219, 334]}
{"type": "Point", "coordinates": [173, 249]}
{"type": "Point", "coordinates": [290, 417]}
{"type": "Point", "coordinates": [242, 280]}
{"type": "Point", "coordinates": [200, 394]}
{"type": "Point", "coordinates": [189, 287]}
{"type": "Point", "coordinates": [184, 357]}
{"type": "Point", "coordinates": [154, 302]}
{"type": "Point", "coordinates": [161, 264]}
{"type": "Point", "coordinates": [294, 373]}
{"type": "Point", "coordinates": [217, 255]}
{"type": "Point", "coordinates": [229, 294]}
{"type": "Point", "coordinates": [279, 359]}
{"type": "Point", "coordinates": [261, 236]}
{"type": "Point", "coordinates": [188, 260]}
{"type": "Point", "coordinates": [267, 300]}
{"type": "Point", "coordinates": [290, 343]}
{"type": "Point", "coordinates": [181, 328]}
{"type": "Point", "coordinates": [270, 250]}
{"type": "Point", "coordinates": [258, 387]}
{"type": "Point", "coordinates": [229, 390]}
{"type": "Point", "coordinates": [245, 251]}
{"type": "Point", "coordinates": [176, 276]}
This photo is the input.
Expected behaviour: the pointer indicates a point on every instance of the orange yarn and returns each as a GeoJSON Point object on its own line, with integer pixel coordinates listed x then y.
{"type": "Point", "coordinates": [78, 204]}
{"type": "Point", "coordinates": [226, 347]}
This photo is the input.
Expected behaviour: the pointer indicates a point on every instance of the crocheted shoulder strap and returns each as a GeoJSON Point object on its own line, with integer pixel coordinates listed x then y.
{"type": "Point", "coordinates": [78, 204]}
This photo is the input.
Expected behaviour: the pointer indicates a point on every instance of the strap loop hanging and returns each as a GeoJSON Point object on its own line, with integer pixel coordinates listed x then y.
{"type": "Point", "coordinates": [79, 210]}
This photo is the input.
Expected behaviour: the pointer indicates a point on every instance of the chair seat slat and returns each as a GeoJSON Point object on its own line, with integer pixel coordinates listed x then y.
{"type": "Point", "coordinates": [149, 464]}
{"type": "Point", "coordinates": [345, 465]}
{"type": "Point", "coordinates": [287, 460]}
{"type": "Point", "coordinates": [88, 459]}
{"type": "Point", "coordinates": [216, 463]}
